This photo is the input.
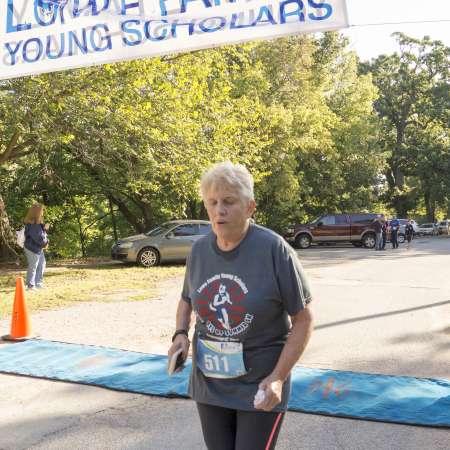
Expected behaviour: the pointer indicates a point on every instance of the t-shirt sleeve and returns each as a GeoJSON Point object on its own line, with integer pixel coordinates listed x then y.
{"type": "Point", "coordinates": [293, 285]}
{"type": "Point", "coordinates": [187, 286]}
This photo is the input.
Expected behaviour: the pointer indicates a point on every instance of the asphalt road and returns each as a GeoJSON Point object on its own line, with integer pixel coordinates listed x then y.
{"type": "Point", "coordinates": [378, 312]}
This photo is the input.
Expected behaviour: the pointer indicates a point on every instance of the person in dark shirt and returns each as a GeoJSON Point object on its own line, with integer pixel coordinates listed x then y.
{"type": "Point", "coordinates": [378, 233]}
{"type": "Point", "coordinates": [35, 242]}
{"type": "Point", "coordinates": [384, 232]}
{"type": "Point", "coordinates": [395, 225]}
{"type": "Point", "coordinates": [409, 233]}
{"type": "Point", "coordinates": [251, 300]}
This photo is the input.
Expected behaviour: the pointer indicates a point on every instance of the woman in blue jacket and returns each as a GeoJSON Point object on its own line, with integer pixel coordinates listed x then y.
{"type": "Point", "coordinates": [35, 242]}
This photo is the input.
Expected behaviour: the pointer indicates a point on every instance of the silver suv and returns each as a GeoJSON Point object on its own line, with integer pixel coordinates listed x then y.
{"type": "Point", "coordinates": [171, 241]}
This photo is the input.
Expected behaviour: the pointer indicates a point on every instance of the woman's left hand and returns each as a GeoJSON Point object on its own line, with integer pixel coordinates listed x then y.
{"type": "Point", "coordinates": [273, 389]}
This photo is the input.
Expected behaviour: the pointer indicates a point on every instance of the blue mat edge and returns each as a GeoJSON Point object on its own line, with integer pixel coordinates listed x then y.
{"type": "Point", "coordinates": [186, 397]}
{"type": "Point", "coordinates": [103, 386]}
{"type": "Point", "coordinates": [405, 377]}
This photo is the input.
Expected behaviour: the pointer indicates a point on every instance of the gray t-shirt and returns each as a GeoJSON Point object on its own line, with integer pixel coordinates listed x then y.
{"type": "Point", "coordinates": [265, 284]}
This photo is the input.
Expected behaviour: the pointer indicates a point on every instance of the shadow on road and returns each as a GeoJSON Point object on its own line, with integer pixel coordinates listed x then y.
{"type": "Point", "coordinates": [377, 316]}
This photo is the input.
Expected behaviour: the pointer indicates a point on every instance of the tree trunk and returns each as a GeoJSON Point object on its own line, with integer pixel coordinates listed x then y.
{"type": "Point", "coordinates": [146, 212]}
{"type": "Point", "coordinates": [113, 219]}
{"type": "Point", "coordinates": [7, 236]}
{"type": "Point", "coordinates": [401, 207]}
{"type": "Point", "coordinates": [399, 179]}
{"type": "Point", "coordinates": [399, 201]}
{"type": "Point", "coordinates": [203, 212]}
{"type": "Point", "coordinates": [428, 206]}
{"type": "Point", "coordinates": [129, 216]}
{"type": "Point", "coordinates": [82, 239]}
{"type": "Point", "coordinates": [192, 207]}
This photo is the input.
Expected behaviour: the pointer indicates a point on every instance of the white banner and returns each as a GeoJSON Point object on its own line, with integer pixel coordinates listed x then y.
{"type": "Point", "coordinates": [39, 36]}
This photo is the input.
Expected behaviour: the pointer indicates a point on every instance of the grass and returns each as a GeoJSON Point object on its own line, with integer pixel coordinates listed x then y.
{"type": "Point", "coordinates": [71, 282]}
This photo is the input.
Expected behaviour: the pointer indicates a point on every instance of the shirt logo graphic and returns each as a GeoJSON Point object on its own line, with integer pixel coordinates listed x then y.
{"type": "Point", "coordinates": [218, 306]}
{"type": "Point", "coordinates": [221, 305]}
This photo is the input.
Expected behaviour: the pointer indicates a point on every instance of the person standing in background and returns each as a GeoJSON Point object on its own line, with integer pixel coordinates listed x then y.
{"type": "Point", "coordinates": [384, 232]}
{"type": "Point", "coordinates": [378, 233]}
{"type": "Point", "coordinates": [395, 225]}
{"type": "Point", "coordinates": [35, 242]}
{"type": "Point", "coordinates": [409, 232]}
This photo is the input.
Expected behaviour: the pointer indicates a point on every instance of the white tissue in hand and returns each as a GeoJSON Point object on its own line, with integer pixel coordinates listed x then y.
{"type": "Point", "coordinates": [259, 397]}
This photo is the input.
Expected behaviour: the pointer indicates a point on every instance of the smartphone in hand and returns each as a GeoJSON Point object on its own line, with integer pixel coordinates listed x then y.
{"type": "Point", "coordinates": [176, 362]}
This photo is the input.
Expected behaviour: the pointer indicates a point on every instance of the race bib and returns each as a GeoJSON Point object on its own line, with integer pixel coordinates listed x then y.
{"type": "Point", "coordinates": [220, 359]}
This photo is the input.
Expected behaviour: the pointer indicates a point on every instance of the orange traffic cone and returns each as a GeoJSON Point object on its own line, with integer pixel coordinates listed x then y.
{"type": "Point", "coordinates": [20, 324]}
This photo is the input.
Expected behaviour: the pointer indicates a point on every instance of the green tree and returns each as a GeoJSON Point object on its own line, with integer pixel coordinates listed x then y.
{"type": "Point", "coordinates": [24, 114]}
{"type": "Point", "coordinates": [137, 136]}
{"type": "Point", "coordinates": [413, 86]}
{"type": "Point", "coordinates": [324, 154]}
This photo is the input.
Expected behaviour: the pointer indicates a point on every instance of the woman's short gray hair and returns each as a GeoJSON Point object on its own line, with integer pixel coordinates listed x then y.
{"type": "Point", "coordinates": [234, 176]}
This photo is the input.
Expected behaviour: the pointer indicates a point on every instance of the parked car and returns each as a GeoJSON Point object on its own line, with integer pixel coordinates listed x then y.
{"type": "Point", "coordinates": [171, 241]}
{"type": "Point", "coordinates": [355, 228]}
{"type": "Point", "coordinates": [427, 229]}
{"type": "Point", "coordinates": [444, 226]}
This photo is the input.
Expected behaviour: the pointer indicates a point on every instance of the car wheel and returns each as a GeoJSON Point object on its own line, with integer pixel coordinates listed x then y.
{"type": "Point", "coordinates": [357, 244]}
{"type": "Point", "coordinates": [369, 240]}
{"type": "Point", "coordinates": [302, 241]}
{"type": "Point", "coordinates": [148, 257]}
{"type": "Point", "coordinates": [401, 238]}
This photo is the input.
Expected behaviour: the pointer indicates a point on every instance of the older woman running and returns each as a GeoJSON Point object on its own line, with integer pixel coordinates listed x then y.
{"type": "Point", "coordinates": [250, 298]}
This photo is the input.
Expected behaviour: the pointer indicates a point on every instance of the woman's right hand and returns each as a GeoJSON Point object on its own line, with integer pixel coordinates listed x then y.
{"type": "Point", "coordinates": [181, 341]}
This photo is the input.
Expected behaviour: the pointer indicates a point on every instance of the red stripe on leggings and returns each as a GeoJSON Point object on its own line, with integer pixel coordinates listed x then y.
{"type": "Point", "coordinates": [273, 431]}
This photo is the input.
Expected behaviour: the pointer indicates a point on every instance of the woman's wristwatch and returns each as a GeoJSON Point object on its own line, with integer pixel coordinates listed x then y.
{"type": "Point", "coordinates": [180, 331]}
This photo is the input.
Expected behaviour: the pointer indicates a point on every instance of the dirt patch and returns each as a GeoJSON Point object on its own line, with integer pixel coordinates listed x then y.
{"type": "Point", "coordinates": [144, 326]}
{"type": "Point", "coordinates": [121, 295]}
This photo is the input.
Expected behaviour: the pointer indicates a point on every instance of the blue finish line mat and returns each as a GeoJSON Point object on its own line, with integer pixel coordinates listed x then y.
{"type": "Point", "coordinates": [407, 400]}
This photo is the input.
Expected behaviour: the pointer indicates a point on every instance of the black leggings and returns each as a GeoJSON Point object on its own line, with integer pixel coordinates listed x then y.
{"type": "Point", "coordinates": [230, 429]}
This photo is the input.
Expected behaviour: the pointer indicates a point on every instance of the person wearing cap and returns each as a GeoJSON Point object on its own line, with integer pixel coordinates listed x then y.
{"type": "Point", "coordinates": [250, 297]}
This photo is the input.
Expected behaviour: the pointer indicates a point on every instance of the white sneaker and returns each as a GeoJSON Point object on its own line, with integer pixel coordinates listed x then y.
{"type": "Point", "coordinates": [40, 286]}
{"type": "Point", "coordinates": [30, 288]}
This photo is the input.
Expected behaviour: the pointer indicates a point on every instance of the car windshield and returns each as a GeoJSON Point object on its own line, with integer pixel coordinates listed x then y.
{"type": "Point", "coordinates": [159, 230]}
